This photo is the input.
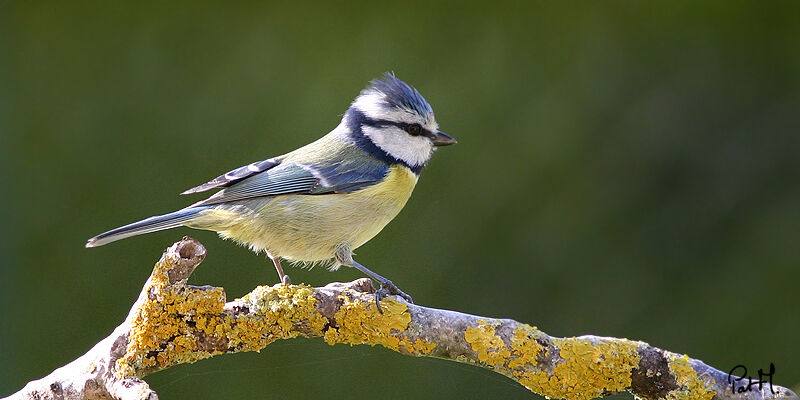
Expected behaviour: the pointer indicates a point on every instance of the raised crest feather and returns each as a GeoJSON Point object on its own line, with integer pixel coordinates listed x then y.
{"type": "Point", "coordinates": [398, 94]}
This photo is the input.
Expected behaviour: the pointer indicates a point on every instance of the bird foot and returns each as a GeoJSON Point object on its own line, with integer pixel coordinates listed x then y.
{"type": "Point", "coordinates": [285, 280]}
{"type": "Point", "coordinates": [389, 288]}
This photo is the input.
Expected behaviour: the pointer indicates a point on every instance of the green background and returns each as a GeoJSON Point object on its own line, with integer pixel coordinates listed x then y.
{"type": "Point", "coordinates": [624, 169]}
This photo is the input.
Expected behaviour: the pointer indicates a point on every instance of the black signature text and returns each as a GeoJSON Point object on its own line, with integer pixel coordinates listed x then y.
{"type": "Point", "coordinates": [745, 383]}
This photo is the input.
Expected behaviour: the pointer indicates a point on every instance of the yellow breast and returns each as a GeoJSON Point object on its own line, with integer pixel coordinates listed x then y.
{"type": "Point", "coordinates": [311, 227]}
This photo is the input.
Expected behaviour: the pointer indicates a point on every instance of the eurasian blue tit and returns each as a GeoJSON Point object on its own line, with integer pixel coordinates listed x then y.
{"type": "Point", "coordinates": [320, 202]}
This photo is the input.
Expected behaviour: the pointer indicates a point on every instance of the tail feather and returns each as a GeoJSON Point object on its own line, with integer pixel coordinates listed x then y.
{"type": "Point", "coordinates": [152, 224]}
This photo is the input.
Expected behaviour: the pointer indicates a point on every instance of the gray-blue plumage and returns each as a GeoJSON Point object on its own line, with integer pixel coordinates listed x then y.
{"type": "Point", "coordinates": [235, 175]}
{"type": "Point", "coordinates": [344, 176]}
{"type": "Point", "coordinates": [148, 225]}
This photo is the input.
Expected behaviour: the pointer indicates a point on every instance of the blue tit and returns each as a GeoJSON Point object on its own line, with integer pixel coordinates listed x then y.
{"type": "Point", "coordinates": [320, 202]}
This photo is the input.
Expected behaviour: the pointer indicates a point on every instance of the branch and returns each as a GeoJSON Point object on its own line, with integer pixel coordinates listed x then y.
{"type": "Point", "coordinates": [173, 323]}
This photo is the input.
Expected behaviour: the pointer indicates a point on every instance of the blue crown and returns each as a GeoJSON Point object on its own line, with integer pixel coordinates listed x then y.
{"type": "Point", "coordinates": [398, 94]}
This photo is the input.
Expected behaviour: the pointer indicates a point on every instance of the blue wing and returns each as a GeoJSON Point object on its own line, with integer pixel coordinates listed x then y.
{"type": "Point", "coordinates": [296, 177]}
{"type": "Point", "coordinates": [236, 175]}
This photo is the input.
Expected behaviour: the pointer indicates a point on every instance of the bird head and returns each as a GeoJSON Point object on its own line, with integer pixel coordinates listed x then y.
{"type": "Point", "coordinates": [395, 118]}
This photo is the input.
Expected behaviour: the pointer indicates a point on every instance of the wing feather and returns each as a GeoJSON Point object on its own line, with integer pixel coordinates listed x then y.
{"type": "Point", "coordinates": [286, 178]}
{"type": "Point", "coordinates": [235, 175]}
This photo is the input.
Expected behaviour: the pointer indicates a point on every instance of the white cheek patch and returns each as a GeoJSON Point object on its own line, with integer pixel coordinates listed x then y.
{"type": "Point", "coordinates": [414, 150]}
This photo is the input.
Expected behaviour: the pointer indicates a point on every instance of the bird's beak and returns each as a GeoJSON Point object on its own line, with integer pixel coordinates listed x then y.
{"type": "Point", "coordinates": [442, 139]}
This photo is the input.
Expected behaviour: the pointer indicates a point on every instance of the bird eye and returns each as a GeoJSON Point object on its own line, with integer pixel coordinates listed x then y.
{"type": "Point", "coordinates": [414, 129]}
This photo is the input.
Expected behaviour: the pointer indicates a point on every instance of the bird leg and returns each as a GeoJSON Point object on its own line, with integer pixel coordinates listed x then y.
{"type": "Point", "coordinates": [387, 287]}
{"type": "Point", "coordinates": [345, 257]}
{"type": "Point", "coordinates": [282, 276]}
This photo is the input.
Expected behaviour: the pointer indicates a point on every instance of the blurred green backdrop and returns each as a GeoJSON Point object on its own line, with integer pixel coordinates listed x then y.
{"type": "Point", "coordinates": [624, 168]}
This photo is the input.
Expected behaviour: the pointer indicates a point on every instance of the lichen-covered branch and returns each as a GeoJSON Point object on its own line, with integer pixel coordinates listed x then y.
{"type": "Point", "coordinates": [173, 323]}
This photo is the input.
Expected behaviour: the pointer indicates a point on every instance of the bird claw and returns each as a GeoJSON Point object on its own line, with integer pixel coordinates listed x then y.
{"type": "Point", "coordinates": [285, 280]}
{"type": "Point", "coordinates": [389, 288]}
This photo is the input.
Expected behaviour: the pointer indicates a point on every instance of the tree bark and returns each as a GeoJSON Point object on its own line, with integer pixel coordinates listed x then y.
{"type": "Point", "coordinates": [173, 323]}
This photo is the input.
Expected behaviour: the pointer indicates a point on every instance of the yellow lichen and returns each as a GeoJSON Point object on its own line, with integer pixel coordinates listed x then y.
{"type": "Point", "coordinates": [524, 348]}
{"type": "Point", "coordinates": [180, 324]}
{"type": "Point", "coordinates": [589, 369]}
{"type": "Point", "coordinates": [422, 347]}
{"type": "Point", "coordinates": [522, 352]}
{"type": "Point", "coordinates": [490, 348]}
{"type": "Point", "coordinates": [359, 322]}
{"type": "Point", "coordinates": [285, 306]}
{"type": "Point", "coordinates": [691, 387]}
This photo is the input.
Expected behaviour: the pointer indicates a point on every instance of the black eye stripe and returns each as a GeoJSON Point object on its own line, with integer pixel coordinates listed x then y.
{"type": "Point", "coordinates": [411, 129]}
